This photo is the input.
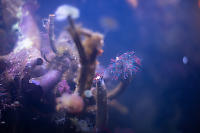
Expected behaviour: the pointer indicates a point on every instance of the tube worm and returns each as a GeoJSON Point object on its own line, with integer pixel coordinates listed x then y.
{"type": "Point", "coordinates": [51, 33]}
{"type": "Point", "coordinates": [101, 102]}
{"type": "Point", "coordinates": [122, 68]}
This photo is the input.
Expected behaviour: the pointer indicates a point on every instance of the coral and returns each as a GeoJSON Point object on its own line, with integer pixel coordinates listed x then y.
{"type": "Point", "coordinates": [72, 102]}
{"type": "Point", "coordinates": [124, 65]}
{"type": "Point", "coordinates": [63, 11]}
{"type": "Point", "coordinates": [9, 17]}
{"type": "Point", "coordinates": [63, 87]}
{"type": "Point", "coordinates": [41, 77]}
{"type": "Point", "coordinates": [88, 50]}
{"type": "Point", "coordinates": [82, 125]}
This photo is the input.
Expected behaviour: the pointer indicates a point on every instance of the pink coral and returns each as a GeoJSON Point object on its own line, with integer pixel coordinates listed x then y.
{"type": "Point", "coordinates": [71, 102]}
{"type": "Point", "coordinates": [63, 87]}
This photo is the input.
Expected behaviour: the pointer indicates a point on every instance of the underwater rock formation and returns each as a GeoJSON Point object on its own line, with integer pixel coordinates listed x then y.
{"type": "Point", "coordinates": [9, 18]}
{"type": "Point", "coordinates": [57, 81]}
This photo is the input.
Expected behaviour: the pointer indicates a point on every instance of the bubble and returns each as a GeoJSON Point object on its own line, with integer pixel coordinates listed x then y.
{"type": "Point", "coordinates": [185, 60]}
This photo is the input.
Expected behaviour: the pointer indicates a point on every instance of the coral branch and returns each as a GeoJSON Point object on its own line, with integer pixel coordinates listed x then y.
{"type": "Point", "coordinates": [76, 38]}
{"type": "Point", "coordinates": [88, 50]}
{"type": "Point", "coordinates": [119, 89]}
{"type": "Point", "coordinates": [121, 108]}
{"type": "Point", "coordinates": [83, 71]}
{"type": "Point", "coordinates": [111, 104]}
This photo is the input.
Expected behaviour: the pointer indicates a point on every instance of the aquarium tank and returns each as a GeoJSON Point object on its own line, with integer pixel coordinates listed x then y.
{"type": "Point", "coordinates": [99, 66]}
